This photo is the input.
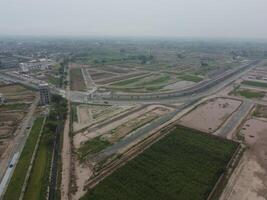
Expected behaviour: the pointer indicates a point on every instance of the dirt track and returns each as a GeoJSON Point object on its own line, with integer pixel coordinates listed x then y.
{"type": "Point", "coordinates": [249, 180]}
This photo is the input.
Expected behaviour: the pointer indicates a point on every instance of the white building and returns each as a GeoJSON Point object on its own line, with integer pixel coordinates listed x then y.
{"type": "Point", "coordinates": [41, 64]}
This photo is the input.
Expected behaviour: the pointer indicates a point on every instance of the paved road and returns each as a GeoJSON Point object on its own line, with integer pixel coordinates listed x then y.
{"type": "Point", "coordinates": [21, 136]}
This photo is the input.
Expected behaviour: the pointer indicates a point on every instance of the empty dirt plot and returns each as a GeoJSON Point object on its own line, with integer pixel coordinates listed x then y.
{"type": "Point", "coordinates": [114, 133]}
{"type": "Point", "coordinates": [15, 93]}
{"type": "Point", "coordinates": [249, 180]}
{"type": "Point", "coordinates": [210, 115]}
{"type": "Point", "coordinates": [185, 160]}
{"type": "Point", "coordinates": [77, 80]}
{"type": "Point", "coordinates": [91, 114]}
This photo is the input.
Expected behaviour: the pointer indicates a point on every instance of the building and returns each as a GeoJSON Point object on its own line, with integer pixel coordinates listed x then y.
{"type": "Point", "coordinates": [2, 99]}
{"type": "Point", "coordinates": [44, 94]}
{"type": "Point", "coordinates": [41, 64]}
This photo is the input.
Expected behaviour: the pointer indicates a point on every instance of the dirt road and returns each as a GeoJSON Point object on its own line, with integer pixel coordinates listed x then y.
{"type": "Point", "coordinates": [66, 153]}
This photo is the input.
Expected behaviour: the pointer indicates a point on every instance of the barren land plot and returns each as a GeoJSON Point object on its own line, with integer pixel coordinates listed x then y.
{"type": "Point", "coordinates": [249, 180]}
{"type": "Point", "coordinates": [112, 136]}
{"type": "Point", "coordinates": [210, 115]}
{"type": "Point", "coordinates": [185, 160]}
{"type": "Point", "coordinates": [260, 111]}
{"type": "Point", "coordinates": [76, 80]}
{"type": "Point", "coordinates": [100, 75]}
{"type": "Point", "coordinates": [88, 114]}
{"type": "Point", "coordinates": [17, 93]}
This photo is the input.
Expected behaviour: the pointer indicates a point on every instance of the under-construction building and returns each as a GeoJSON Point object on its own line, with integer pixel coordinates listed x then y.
{"type": "Point", "coordinates": [44, 94]}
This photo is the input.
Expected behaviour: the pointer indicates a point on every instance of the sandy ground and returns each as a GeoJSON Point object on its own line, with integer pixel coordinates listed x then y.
{"type": "Point", "coordinates": [85, 135]}
{"type": "Point", "coordinates": [249, 180]}
{"type": "Point", "coordinates": [210, 115]}
{"type": "Point", "coordinates": [82, 174]}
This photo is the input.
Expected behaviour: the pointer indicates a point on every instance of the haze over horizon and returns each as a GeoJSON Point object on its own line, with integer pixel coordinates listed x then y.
{"type": "Point", "coordinates": [139, 18]}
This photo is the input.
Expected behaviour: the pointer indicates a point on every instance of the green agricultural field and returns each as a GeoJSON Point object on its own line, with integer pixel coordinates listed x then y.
{"type": "Point", "coordinates": [188, 77]}
{"type": "Point", "coordinates": [183, 165]}
{"type": "Point", "coordinates": [17, 180]}
{"type": "Point", "coordinates": [255, 83]}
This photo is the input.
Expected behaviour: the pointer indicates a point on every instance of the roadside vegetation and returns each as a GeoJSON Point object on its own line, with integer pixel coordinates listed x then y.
{"type": "Point", "coordinates": [255, 84]}
{"type": "Point", "coordinates": [17, 180]}
{"type": "Point", "coordinates": [251, 94]}
{"type": "Point", "coordinates": [39, 178]}
{"type": "Point", "coordinates": [186, 160]}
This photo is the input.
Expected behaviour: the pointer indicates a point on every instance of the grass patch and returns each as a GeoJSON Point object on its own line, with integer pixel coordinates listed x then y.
{"type": "Point", "coordinates": [16, 106]}
{"type": "Point", "coordinates": [127, 81]}
{"type": "Point", "coordinates": [251, 94]}
{"type": "Point", "coordinates": [255, 83]}
{"type": "Point", "coordinates": [188, 77]}
{"type": "Point", "coordinates": [53, 80]}
{"type": "Point", "coordinates": [38, 182]}
{"type": "Point", "coordinates": [17, 180]}
{"type": "Point", "coordinates": [184, 165]}
{"type": "Point", "coordinates": [158, 80]}
{"type": "Point", "coordinates": [92, 146]}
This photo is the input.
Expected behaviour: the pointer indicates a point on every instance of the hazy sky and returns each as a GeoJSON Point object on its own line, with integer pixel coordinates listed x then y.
{"type": "Point", "coordinates": [167, 18]}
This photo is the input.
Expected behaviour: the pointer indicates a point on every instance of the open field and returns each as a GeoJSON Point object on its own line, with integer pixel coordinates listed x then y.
{"type": "Point", "coordinates": [109, 125]}
{"type": "Point", "coordinates": [255, 83]}
{"type": "Point", "coordinates": [248, 93]}
{"type": "Point", "coordinates": [186, 160]}
{"type": "Point", "coordinates": [15, 93]}
{"type": "Point", "coordinates": [260, 111]}
{"type": "Point", "coordinates": [112, 136]}
{"type": "Point", "coordinates": [189, 77]}
{"type": "Point", "coordinates": [249, 179]}
{"type": "Point", "coordinates": [77, 80]}
{"type": "Point", "coordinates": [88, 115]}
{"type": "Point", "coordinates": [17, 180]}
{"type": "Point", "coordinates": [210, 115]}
{"type": "Point", "coordinates": [11, 116]}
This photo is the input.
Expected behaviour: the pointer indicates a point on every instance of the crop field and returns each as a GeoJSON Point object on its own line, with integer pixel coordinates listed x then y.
{"type": "Point", "coordinates": [17, 180]}
{"type": "Point", "coordinates": [77, 80]}
{"type": "Point", "coordinates": [185, 160]}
